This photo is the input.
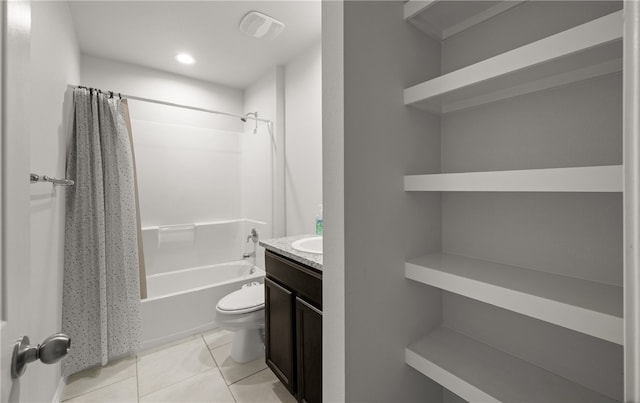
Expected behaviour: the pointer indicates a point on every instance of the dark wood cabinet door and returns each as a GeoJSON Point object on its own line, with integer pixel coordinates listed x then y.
{"type": "Point", "coordinates": [304, 281]}
{"type": "Point", "coordinates": [279, 332]}
{"type": "Point", "coordinates": [309, 352]}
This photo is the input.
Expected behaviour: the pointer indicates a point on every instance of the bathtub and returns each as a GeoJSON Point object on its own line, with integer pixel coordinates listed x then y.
{"type": "Point", "coordinates": [182, 302]}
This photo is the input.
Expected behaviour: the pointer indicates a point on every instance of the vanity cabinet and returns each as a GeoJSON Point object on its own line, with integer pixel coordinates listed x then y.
{"type": "Point", "coordinates": [293, 325]}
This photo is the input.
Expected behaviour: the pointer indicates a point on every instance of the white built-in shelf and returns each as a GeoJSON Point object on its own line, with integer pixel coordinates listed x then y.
{"type": "Point", "coordinates": [479, 373]}
{"type": "Point", "coordinates": [586, 51]}
{"type": "Point", "coordinates": [584, 306]}
{"type": "Point", "coordinates": [576, 179]}
{"type": "Point", "coordinates": [442, 19]}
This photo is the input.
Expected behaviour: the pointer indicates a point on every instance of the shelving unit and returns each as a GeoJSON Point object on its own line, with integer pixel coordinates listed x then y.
{"type": "Point", "coordinates": [444, 20]}
{"type": "Point", "coordinates": [479, 373]}
{"type": "Point", "coordinates": [593, 48]}
{"type": "Point", "coordinates": [584, 306]}
{"type": "Point", "coordinates": [581, 317]}
{"type": "Point", "coordinates": [580, 179]}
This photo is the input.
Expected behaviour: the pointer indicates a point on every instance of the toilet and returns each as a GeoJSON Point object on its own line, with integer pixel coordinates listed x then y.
{"type": "Point", "coordinates": [242, 312]}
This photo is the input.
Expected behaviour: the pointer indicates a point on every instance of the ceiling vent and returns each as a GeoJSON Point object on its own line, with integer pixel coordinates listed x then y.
{"type": "Point", "coordinates": [260, 25]}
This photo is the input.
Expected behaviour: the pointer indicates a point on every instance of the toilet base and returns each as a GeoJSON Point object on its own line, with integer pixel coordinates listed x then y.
{"type": "Point", "coordinates": [247, 345]}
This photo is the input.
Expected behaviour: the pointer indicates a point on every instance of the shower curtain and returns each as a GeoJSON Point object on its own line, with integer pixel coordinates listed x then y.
{"type": "Point", "coordinates": [101, 286]}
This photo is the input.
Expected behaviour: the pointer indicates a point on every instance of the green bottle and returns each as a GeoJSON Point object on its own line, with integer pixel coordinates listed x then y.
{"type": "Point", "coordinates": [319, 222]}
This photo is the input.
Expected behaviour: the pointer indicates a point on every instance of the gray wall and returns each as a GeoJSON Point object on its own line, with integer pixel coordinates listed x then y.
{"type": "Point", "coordinates": [384, 140]}
{"type": "Point", "coordinates": [574, 125]}
{"type": "Point", "coordinates": [333, 287]}
{"type": "Point", "coordinates": [587, 360]}
{"type": "Point", "coordinates": [525, 23]}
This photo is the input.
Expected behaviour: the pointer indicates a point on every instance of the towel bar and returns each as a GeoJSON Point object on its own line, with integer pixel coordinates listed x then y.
{"type": "Point", "coordinates": [44, 178]}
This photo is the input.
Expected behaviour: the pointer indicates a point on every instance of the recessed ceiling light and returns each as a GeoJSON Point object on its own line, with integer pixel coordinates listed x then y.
{"type": "Point", "coordinates": [185, 58]}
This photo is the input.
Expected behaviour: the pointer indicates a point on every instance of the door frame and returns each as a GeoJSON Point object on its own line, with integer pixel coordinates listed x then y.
{"type": "Point", "coordinates": [631, 124]}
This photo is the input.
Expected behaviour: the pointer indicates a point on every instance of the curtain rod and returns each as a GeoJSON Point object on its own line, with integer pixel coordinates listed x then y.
{"type": "Point", "coordinates": [193, 108]}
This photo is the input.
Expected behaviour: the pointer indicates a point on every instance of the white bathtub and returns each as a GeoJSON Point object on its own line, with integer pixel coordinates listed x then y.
{"type": "Point", "coordinates": [183, 302]}
{"type": "Point", "coordinates": [168, 248]}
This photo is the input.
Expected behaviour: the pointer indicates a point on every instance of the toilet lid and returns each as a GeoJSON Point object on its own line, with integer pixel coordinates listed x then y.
{"type": "Point", "coordinates": [247, 299]}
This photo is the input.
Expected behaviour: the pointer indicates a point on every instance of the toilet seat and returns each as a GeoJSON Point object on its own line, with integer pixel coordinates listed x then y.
{"type": "Point", "coordinates": [245, 300]}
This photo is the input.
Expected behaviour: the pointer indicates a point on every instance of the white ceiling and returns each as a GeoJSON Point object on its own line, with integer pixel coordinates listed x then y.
{"type": "Point", "coordinates": [151, 33]}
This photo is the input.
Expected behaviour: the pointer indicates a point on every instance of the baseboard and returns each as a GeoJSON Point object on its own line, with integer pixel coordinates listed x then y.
{"type": "Point", "coordinates": [57, 397]}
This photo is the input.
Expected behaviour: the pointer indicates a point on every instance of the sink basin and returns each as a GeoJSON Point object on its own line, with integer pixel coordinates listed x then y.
{"type": "Point", "coordinates": [311, 244]}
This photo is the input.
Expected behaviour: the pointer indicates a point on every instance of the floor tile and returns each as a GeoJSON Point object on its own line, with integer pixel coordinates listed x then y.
{"type": "Point", "coordinates": [208, 386]}
{"type": "Point", "coordinates": [262, 387]}
{"type": "Point", "coordinates": [231, 370]}
{"type": "Point", "coordinates": [121, 392]}
{"type": "Point", "coordinates": [173, 364]}
{"type": "Point", "coordinates": [99, 377]}
{"type": "Point", "coordinates": [169, 344]}
{"type": "Point", "coordinates": [217, 338]}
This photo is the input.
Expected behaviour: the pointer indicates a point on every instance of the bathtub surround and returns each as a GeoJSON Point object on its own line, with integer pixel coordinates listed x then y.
{"type": "Point", "coordinates": [101, 290]}
{"type": "Point", "coordinates": [168, 248]}
{"type": "Point", "coordinates": [187, 174]}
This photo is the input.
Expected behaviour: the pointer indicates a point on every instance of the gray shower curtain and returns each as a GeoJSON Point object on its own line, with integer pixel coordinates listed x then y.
{"type": "Point", "coordinates": [101, 286]}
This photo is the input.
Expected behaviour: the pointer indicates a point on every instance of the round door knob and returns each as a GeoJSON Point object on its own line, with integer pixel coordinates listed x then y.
{"type": "Point", "coordinates": [52, 349]}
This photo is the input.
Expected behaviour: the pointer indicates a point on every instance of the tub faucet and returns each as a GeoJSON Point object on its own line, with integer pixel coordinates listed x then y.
{"type": "Point", "coordinates": [253, 256]}
{"type": "Point", "coordinates": [253, 236]}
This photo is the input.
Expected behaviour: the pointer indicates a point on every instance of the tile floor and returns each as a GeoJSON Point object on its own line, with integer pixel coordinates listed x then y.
{"type": "Point", "coordinates": [197, 369]}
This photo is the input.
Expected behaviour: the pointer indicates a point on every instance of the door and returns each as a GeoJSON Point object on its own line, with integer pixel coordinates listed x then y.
{"type": "Point", "coordinates": [15, 31]}
{"type": "Point", "coordinates": [309, 352]}
{"type": "Point", "coordinates": [278, 330]}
